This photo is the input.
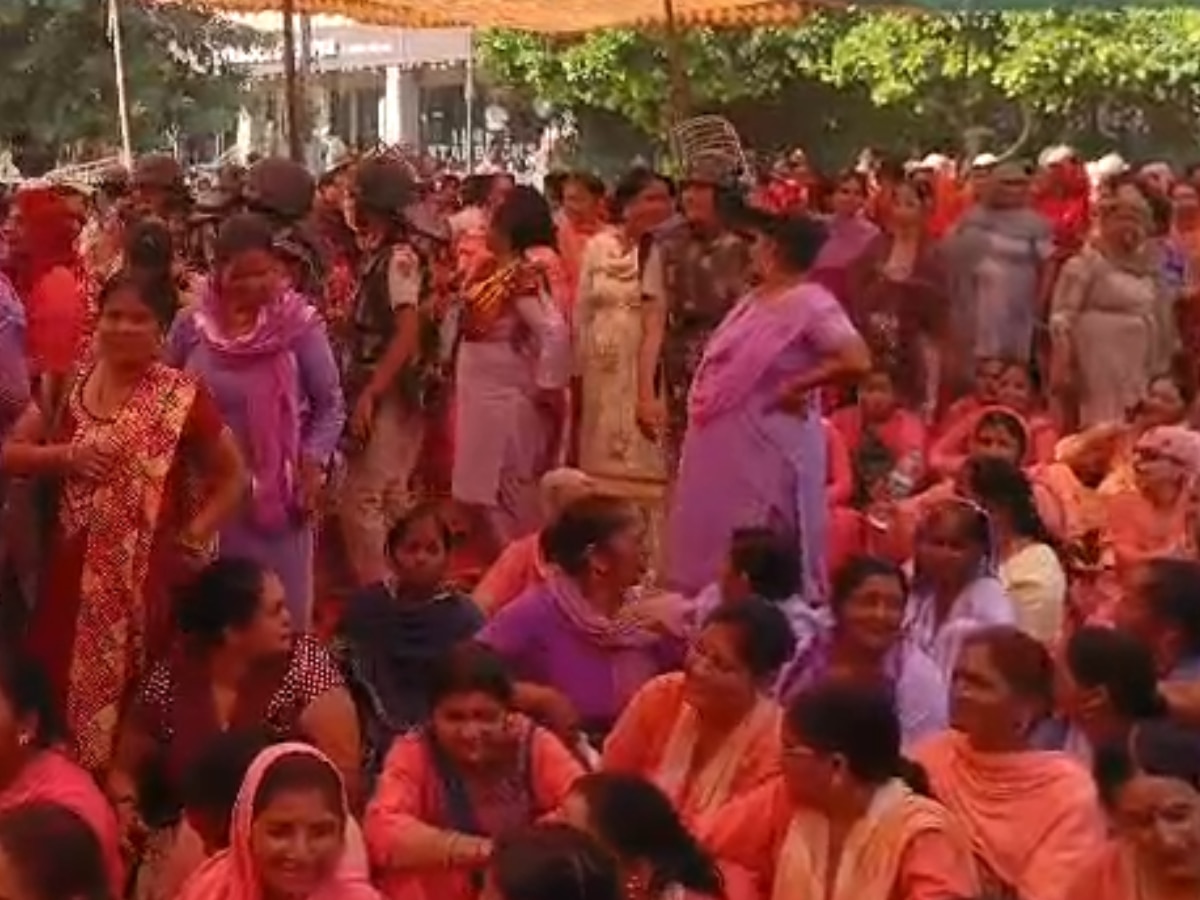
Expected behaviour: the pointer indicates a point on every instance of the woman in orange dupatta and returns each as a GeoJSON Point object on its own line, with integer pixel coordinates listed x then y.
{"type": "Point", "coordinates": [290, 789]}
{"type": "Point", "coordinates": [1151, 785]}
{"type": "Point", "coordinates": [131, 444]}
{"type": "Point", "coordinates": [1033, 816]}
{"type": "Point", "coordinates": [839, 823]}
{"type": "Point", "coordinates": [475, 770]}
{"type": "Point", "coordinates": [710, 733]}
{"type": "Point", "coordinates": [1014, 392]}
{"type": "Point", "coordinates": [521, 564]}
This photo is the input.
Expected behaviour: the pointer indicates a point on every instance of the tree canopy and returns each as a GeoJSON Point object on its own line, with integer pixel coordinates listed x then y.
{"type": "Point", "coordinates": [1123, 76]}
{"type": "Point", "coordinates": [57, 81]}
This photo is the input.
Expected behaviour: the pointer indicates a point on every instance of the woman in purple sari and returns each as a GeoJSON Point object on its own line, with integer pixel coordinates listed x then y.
{"type": "Point", "coordinates": [262, 351]}
{"type": "Point", "coordinates": [754, 452]}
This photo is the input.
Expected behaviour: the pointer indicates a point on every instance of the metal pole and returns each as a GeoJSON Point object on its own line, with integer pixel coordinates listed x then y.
{"type": "Point", "coordinates": [114, 32]}
{"type": "Point", "coordinates": [304, 89]}
{"type": "Point", "coordinates": [679, 101]}
{"type": "Point", "coordinates": [291, 86]}
{"type": "Point", "coordinates": [469, 98]}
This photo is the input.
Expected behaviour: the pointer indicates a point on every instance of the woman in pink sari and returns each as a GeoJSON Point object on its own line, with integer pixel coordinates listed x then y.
{"type": "Point", "coordinates": [754, 399]}
{"type": "Point", "coordinates": [34, 766]}
{"type": "Point", "coordinates": [290, 789]}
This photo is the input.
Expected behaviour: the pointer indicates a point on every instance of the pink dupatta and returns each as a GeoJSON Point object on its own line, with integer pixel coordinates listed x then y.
{"type": "Point", "coordinates": [744, 346]}
{"type": "Point", "coordinates": [272, 386]}
{"type": "Point", "coordinates": [232, 874]}
{"type": "Point", "coordinates": [51, 777]}
{"type": "Point", "coordinates": [613, 635]}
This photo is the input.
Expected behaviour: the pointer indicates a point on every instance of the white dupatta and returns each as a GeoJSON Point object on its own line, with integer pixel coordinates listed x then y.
{"type": "Point", "coordinates": [871, 857]}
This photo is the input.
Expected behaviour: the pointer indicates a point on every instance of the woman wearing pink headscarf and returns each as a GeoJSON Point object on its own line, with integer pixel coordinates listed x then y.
{"type": "Point", "coordinates": [290, 787]}
{"type": "Point", "coordinates": [1152, 517]}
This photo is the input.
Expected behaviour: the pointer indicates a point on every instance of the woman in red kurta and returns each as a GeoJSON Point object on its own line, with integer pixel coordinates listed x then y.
{"type": "Point", "coordinates": [134, 442]}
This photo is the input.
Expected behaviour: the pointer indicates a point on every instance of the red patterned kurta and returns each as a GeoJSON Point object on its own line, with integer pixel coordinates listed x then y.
{"type": "Point", "coordinates": [114, 558]}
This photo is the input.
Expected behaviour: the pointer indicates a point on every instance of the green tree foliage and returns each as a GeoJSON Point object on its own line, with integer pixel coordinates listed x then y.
{"type": "Point", "coordinates": [57, 81]}
{"type": "Point", "coordinates": [1105, 75]}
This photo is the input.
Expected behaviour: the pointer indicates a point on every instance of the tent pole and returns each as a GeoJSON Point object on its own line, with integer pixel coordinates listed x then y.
{"type": "Point", "coordinates": [291, 86]}
{"type": "Point", "coordinates": [679, 100]}
{"type": "Point", "coordinates": [469, 101]}
{"type": "Point", "coordinates": [114, 33]}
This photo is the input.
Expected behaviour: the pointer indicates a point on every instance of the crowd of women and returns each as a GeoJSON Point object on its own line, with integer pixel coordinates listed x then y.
{"type": "Point", "coordinates": [440, 541]}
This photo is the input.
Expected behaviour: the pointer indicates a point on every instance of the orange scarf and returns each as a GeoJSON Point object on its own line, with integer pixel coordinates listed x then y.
{"type": "Point", "coordinates": [1033, 816]}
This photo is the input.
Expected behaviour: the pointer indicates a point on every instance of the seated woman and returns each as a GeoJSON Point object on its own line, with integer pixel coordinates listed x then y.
{"type": "Point", "coordinates": [209, 794]}
{"type": "Point", "coordinates": [986, 385]}
{"type": "Point", "coordinates": [48, 852]}
{"type": "Point", "coordinates": [1106, 686]}
{"type": "Point", "coordinates": [35, 767]}
{"type": "Point", "coordinates": [710, 733]}
{"type": "Point", "coordinates": [841, 766]}
{"type": "Point", "coordinates": [521, 564]}
{"type": "Point", "coordinates": [1081, 463]}
{"type": "Point", "coordinates": [1029, 569]}
{"type": "Point", "coordinates": [1169, 400]}
{"type": "Point", "coordinates": [955, 590]}
{"type": "Point", "coordinates": [291, 789]}
{"type": "Point", "coordinates": [863, 642]}
{"type": "Point", "coordinates": [238, 666]}
{"type": "Point", "coordinates": [1032, 815]}
{"type": "Point", "coordinates": [762, 562]}
{"type": "Point", "coordinates": [391, 633]}
{"type": "Point", "coordinates": [634, 820]}
{"type": "Point", "coordinates": [879, 416]}
{"type": "Point", "coordinates": [1151, 517]}
{"type": "Point", "coordinates": [552, 862]}
{"type": "Point", "coordinates": [1158, 607]}
{"type": "Point", "coordinates": [448, 789]}
{"type": "Point", "coordinates": [1150, 784]}
{"type": "Point", "coordinates": [998, 433]}
{"type": "Point", "coordinates": [1016, 393]}
{"type": "Point", "coordinates": [873, 523]}
{"type": "Point", "coordinates": [572, 641]}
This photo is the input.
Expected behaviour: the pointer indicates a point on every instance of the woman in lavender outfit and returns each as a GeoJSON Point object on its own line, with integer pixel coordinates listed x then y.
{"type": "Point", "coordinates": [754, 451]}
{"type": "Point", "coordinates": [264, 354]}
{"type": "Point", "coordinates": [860, 636]}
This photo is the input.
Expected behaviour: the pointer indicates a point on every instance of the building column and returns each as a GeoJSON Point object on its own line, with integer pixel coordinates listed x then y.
{"type": "Point", "coordinates": [410, 108]}
{"type": "Point", "coordinates": [245, 134]}
{"type": "Point", "coordinates": [389, 120]}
